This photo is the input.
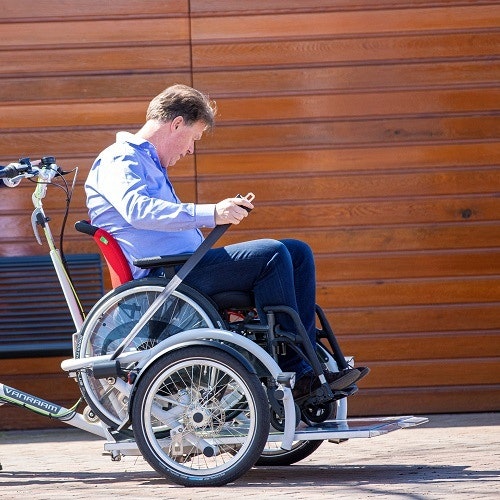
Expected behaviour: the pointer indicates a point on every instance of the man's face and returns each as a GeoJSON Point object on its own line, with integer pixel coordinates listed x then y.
{"type": "Point", "coordinates": [179, 141]}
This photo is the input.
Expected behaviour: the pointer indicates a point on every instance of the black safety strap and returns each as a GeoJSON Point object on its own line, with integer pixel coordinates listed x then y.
{"type": "Point", "coordinates": [200, 252]}
{"type": "Point", "coordinates": [178, 278]}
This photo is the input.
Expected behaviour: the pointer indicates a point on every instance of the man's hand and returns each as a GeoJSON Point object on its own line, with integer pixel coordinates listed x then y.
{"type": "Point", "coordinates": [231, 211]}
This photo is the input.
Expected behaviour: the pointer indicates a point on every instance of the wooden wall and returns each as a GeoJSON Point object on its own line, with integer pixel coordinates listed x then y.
{"type": "Point", "coordinates": [368, 128]}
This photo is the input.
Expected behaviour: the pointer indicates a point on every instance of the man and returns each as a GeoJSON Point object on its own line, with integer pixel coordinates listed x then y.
{"type": "Point", "coordinates": [129, 194]}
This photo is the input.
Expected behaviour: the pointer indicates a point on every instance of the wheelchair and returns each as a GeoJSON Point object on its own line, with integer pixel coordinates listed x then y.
{"type": "Point", "coordinates": [216, 385]}
{"type": "Point", "coordinates": [189, 382]}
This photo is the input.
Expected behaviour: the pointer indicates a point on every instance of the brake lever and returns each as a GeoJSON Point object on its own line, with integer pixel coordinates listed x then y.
{"type": "Point", "coordinates": [35, 217]}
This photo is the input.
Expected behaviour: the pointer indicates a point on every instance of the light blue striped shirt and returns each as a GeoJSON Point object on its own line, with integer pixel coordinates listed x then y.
{"type": "Point", "coordinates": [130, 196]}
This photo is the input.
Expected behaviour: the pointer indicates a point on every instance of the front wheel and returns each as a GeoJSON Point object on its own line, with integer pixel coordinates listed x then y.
{"type": "Point", "coordinates": [200, 416]}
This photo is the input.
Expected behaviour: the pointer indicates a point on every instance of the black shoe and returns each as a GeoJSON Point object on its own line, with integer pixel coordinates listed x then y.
{"type": "Point", "coordinates": [342, 379]}
{"type": "Point", "coordinates": [336, 380]}
{"type": "Point", "coordinates": [363, 371]}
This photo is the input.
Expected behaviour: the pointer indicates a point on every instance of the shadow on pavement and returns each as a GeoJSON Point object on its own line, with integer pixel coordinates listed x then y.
{"type": "Point", "coordinates": [291, 476]}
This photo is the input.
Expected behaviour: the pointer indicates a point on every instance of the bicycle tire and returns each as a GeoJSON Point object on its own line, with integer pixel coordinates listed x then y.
{"type": "Point", "coordinates": [113, 317]}
{"type": "Point", "coordinates": [183, 401]}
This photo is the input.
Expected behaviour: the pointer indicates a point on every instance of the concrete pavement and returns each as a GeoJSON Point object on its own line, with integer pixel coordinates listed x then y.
{"type": "Point", "coordinates": [452, 456]}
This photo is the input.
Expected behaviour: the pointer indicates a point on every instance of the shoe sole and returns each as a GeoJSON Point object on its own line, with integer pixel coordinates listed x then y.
{"type": "Point", "coordinates": [363, 371]}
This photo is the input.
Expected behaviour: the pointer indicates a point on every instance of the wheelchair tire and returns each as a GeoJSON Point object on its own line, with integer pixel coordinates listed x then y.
{"type": "Point", "coordinates": [114, 316]}
{"type": "Point", "coordinates": [275, 457]}
{"type": "Point", "coordinates": [184, 418]}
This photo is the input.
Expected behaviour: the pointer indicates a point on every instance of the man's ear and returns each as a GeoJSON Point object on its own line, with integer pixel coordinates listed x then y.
{"type": "Point", "coordinates": [176, 123]}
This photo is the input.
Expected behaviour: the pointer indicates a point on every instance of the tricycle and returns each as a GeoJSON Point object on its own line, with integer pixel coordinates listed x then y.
{"type": "Point", "coordinates": [189, 382]}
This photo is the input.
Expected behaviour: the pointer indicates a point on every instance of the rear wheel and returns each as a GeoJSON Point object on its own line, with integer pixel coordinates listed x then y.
{"type": "Point", "coordinates": [200, 417]}
{"type": "Point", "coordinates": [273, 455]}
{"type": "Point", "coordinates": [112, 319]}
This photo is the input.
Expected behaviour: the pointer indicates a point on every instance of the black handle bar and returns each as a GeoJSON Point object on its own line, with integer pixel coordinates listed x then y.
{"type": "Point", "coordinates": [25, 166]}
{"type": "Point", "coordinates": [13, 170]}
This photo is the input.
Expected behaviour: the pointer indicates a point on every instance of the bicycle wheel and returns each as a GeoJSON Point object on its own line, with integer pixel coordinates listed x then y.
{"type": "Point", "coordinates": [114, 316]}
{"type": "Point", "coordinates": [200, 417]}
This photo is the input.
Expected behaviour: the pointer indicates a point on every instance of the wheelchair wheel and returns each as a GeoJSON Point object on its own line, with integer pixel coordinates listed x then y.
{"type": "Point", "coordinates": [273, 455]}
{"type": "Point", "coordinates": [114, 316]}
{"type": "Point", "coordinates": [200, 417]}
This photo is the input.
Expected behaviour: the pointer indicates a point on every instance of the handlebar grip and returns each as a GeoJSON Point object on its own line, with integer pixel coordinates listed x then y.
{"type": "Point", "coordinates": [13, 170]}
{"type": "Point", "coordinates": [84, 226]}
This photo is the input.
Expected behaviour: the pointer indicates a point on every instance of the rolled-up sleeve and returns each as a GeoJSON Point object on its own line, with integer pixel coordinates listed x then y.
{"type": "Point", "coordinates": [205, 215]}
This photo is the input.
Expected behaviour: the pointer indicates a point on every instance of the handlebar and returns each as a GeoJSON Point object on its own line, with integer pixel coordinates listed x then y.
{"type": "Point", "coordinates": [13, 170]}
{"type": "Point", "coordinates": [45, 169]}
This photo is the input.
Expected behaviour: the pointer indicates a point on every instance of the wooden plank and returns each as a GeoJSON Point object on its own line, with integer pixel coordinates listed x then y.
{"type": "Point", "coordinates": [280, 81]}
{"type": "Point", "coordinates": [424, 400]}
{"type": "Point", "coordinates": [356, 105]}
{"type": "Point", "coordinates": [68, 9]}
{"type": "Point", "coordinates": [252, 163]}
{"type": "Point", "coordinates": [428, 373]}
{"type": "Point", "coordinates": [467, 318]}
{"type": "Point", "coordinates": [306, 187]}
{"type": "Point", "coordinates": [332, 106]}
{"type": "Point", "coordinates": [36, 143]}
{"type": "Point", "coordinates": [411, 210]}
{"type": "Point", "coordinates": [379, 237]}
{"type": "Point", "coordinates": [51, 387]}
{"type": "Point", "coordinates": [363, 48]}
{"type": "Point", "coordinates": [353, 133]}
{"type": "Point", "coordinates": [394, 265]}
{"type": "Point", "coordinates": [409, 292]}
{"type": "Point", "coordinates": [224, 8]}
{"type": "Point", "coordinates": [247, 165]}
{"type": "Point", "coordinates": [167, 30]}
{"type": "Point", "coordinates": [435, 346]}
{"type": "Point", "coordinates": [42, 62]}
{"type": "Point", "coordinates": [63, 88]}
{"type": "Point", "coordinates": [30, 366]}
{"type": "Point", "coordinates": [125, 112]}
{"type": "Point", "coordinates": [320, 24]}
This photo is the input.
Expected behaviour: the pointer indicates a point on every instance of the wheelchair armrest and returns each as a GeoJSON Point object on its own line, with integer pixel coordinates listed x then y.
{"type": "Point", "coordinates": [162, 261]}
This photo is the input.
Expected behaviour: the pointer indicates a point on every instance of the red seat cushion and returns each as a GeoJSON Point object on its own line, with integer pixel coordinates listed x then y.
{"type": "Point", "coordinates": [119, 268]}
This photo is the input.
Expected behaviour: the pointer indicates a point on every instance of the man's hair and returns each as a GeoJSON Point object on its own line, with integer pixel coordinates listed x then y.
{"type": "Point", "coordinates": [181, 100]}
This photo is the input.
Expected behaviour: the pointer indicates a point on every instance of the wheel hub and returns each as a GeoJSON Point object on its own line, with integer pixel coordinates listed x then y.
{"type": "Point", "coordinates": [203, 414]}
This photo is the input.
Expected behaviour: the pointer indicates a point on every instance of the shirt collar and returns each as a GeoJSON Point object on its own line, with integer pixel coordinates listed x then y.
{"type": "Point", "coordinates": [132, 139]}
{"type": "Point", "coordinates": [141, 143]}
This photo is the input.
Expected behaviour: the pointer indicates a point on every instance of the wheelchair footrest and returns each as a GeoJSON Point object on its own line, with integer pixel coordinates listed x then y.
{"type": "Point", "coordinates": [355, 428]}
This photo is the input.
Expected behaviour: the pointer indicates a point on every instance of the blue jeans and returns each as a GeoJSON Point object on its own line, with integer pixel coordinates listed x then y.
{"type": "Point", "coordinates": [278, 273]}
